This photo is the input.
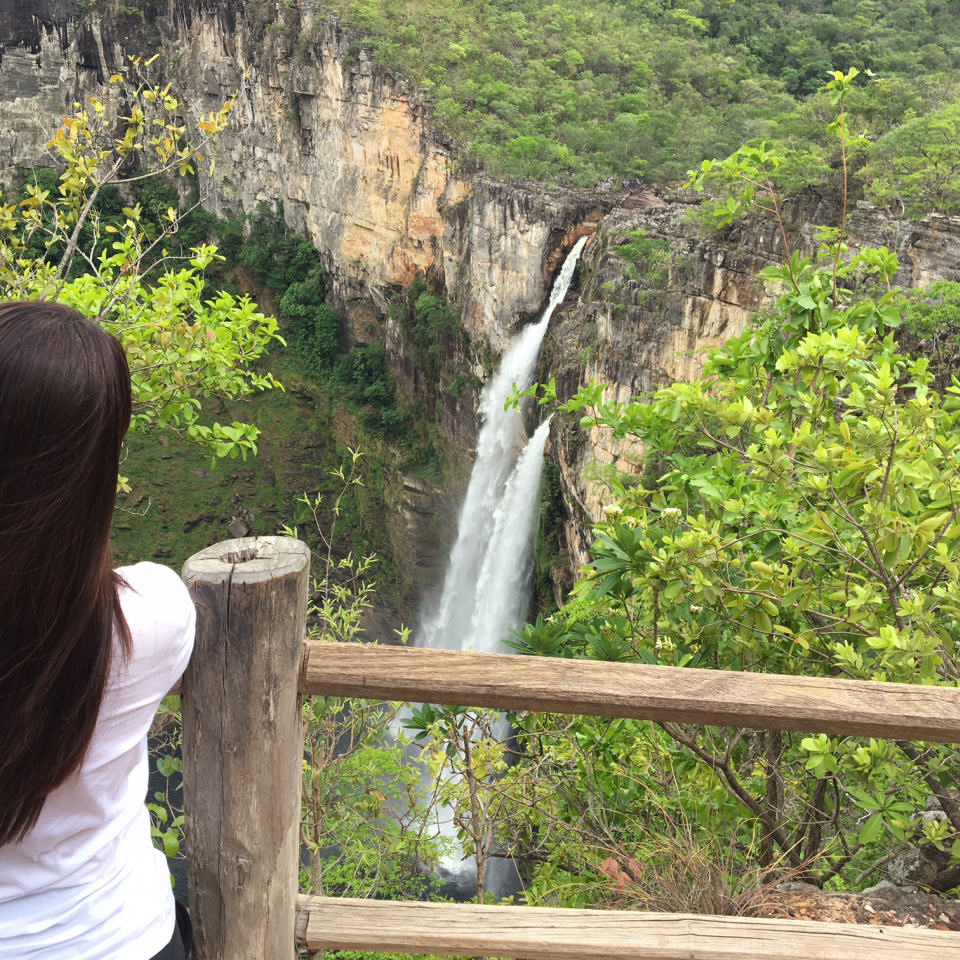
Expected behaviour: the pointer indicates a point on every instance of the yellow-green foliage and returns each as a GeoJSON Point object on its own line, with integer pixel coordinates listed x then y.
{"type": "Point", "coordinates": [183, 341]}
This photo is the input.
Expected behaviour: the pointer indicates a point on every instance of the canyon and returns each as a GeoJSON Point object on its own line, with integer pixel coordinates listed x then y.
{"type": "Point", "coordinates": [351, 156]}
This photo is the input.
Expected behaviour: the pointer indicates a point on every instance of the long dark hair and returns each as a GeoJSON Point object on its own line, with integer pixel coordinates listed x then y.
{"type": "Point", "coordinates": [64, 410]}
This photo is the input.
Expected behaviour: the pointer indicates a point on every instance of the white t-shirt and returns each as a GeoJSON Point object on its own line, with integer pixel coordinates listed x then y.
{"type": "Point", "coordinates": [86, 883]}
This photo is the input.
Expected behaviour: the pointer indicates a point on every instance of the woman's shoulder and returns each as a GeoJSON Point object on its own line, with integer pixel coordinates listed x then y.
{"type": "Point", "coordinates": [157, 605]}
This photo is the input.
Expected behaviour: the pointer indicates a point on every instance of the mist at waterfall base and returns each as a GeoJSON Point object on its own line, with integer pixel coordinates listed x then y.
{"type": "Point", "coordinates": [487, 588]}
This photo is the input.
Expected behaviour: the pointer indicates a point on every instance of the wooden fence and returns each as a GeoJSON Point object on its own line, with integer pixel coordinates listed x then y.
{"type": "Point", "coordinates": [243, 749]}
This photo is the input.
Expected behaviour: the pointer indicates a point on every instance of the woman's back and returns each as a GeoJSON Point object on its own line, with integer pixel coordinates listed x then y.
{"type": "Point", "coordinates": [89, 856]}
{"type": "Point", "coordinates": [85, 656]}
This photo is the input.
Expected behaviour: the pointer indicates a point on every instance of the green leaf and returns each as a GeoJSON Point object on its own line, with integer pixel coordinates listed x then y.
{"type": "Point", "coordinates": [872, 829]}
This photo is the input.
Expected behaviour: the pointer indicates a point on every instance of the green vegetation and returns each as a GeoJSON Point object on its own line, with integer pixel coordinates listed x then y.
{"type": "Point", "coordinates": [69, 237]}
{"type": "Point", "coordinates": [357, 379]}
{"type": "Point", "coordinates": [797, 511]}
{"type": "Point", "coordinates": [179, 503]}
{"type": "Point", "coordinates": [548, 554]}
{"type": "Point", "coordinates": [433, 331]}
{"type": "Point", "coordinates": [933, 309]}
{"type": "Point", "coordinates": [276, 255]}
{"type": "Point", "coordinates": [647, 270]}
{"type": "Point", "coordinates": [648, 258]}
{"type": "Point", "coordinates": [882, 151]}
{"type": "Point", "coordinates": [915, 167]}
{"type": "Point", "coordinates": [578, 92]}
{"type": "Point", "coordinates": [804, 520]}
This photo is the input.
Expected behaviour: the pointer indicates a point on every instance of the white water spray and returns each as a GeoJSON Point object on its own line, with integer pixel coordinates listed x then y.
{"type": "Point", "coordinates": [486, 587]}
{"type": "Point", "coordinates": [500, 599]}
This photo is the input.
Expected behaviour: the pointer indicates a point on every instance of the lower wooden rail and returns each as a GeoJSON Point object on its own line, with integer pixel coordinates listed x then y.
{"type": "Point", "coordinates": [541, 933]}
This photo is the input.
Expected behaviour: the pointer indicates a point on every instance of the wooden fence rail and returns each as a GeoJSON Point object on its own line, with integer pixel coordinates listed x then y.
{"type": "Point", "coordinates": [721, 697]}
{"type": "Point", "coordinates": [243, 751]}
{"type": "Point", "coordinates": [543, 933]}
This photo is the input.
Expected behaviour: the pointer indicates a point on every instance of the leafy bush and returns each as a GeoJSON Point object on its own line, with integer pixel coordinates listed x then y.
{"type": "Point", "coordinates": [432, 330]}
{"type": "Point", "coordinates": [804, 520]}
{"type": "Point", "coordinates": [67, 241]}
{"type": "Point", "coordinates": [648, 259]}
{"type": "Point", "coordinates": [314, 327]}
{"type": "Point", "coordinates": [915, 168]}
{"type": "Point", "coordinates": [276, 255]}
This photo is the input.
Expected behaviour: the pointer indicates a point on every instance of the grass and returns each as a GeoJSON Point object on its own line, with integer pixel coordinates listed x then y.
{"type": "Point", "coordinates": [180, 503]}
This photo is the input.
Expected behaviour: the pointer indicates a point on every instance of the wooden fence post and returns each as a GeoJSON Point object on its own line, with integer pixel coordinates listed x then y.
{"type": "Point", "coordinates": [243, 746]}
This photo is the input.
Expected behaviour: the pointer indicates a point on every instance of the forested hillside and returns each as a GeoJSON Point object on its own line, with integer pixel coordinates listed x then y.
{"type": "Point", "coordinates": [647, 88]}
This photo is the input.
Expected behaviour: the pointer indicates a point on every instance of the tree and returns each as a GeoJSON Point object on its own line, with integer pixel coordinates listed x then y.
{"type": "Point", "coordinates": [798, 511]}
{"type": "Point", "coordinates": [183, 341]}
{"type": "Point", "coordinates": [799, 515]}
{"type": "Point", "coordinates": [464, 752]}
{"type": "Point", "coordinates": [914, 168]}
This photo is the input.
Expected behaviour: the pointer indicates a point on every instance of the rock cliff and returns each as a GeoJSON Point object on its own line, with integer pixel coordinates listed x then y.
{"type": "Point", "coordinates": [346, 149]}
{"type": "Point", "coordinates": [634, 329]}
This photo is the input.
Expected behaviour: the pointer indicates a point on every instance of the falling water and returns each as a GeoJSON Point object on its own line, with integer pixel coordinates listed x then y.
{"type": "Point", "coordinates": [486, 587]}
{"type": "Point", "coordinates": [500, 601]}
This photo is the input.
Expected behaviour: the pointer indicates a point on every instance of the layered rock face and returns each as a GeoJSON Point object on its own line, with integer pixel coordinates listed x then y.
{"type": "Point", "coordinates": [350, 154]}
{"type": "Point", "coordinates": [345, 149]}
{"type": "Point", "coordinates": [636, 333]}
{"type": "Point", "coordinates": [37, 74]}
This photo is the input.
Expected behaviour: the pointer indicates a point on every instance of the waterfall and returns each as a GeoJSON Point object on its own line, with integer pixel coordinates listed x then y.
{"type": "Point", "coordinates": [485, 591]}
{"type": "Point", "coordinates": [500, 598]}
{"type": "Point", "coordinates": [487, 586]}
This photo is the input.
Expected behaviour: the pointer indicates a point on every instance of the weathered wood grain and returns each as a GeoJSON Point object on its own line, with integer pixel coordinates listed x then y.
{"type": "Point", "coordinates": [725, 698]}
{"type": "Point", "coordinates": [537, 933]}
{"type": "Point", "coordinates": [243, 744]}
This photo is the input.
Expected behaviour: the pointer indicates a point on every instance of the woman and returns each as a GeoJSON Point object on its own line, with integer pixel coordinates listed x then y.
{"type": "Point", "coordinates": [86, 654]}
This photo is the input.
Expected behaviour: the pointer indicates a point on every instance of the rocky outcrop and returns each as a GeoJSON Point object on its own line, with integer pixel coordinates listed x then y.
{"type": "Point", "coordinates": [637, 332]}
{"type": "Point", "coordinates": [33, 61]}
